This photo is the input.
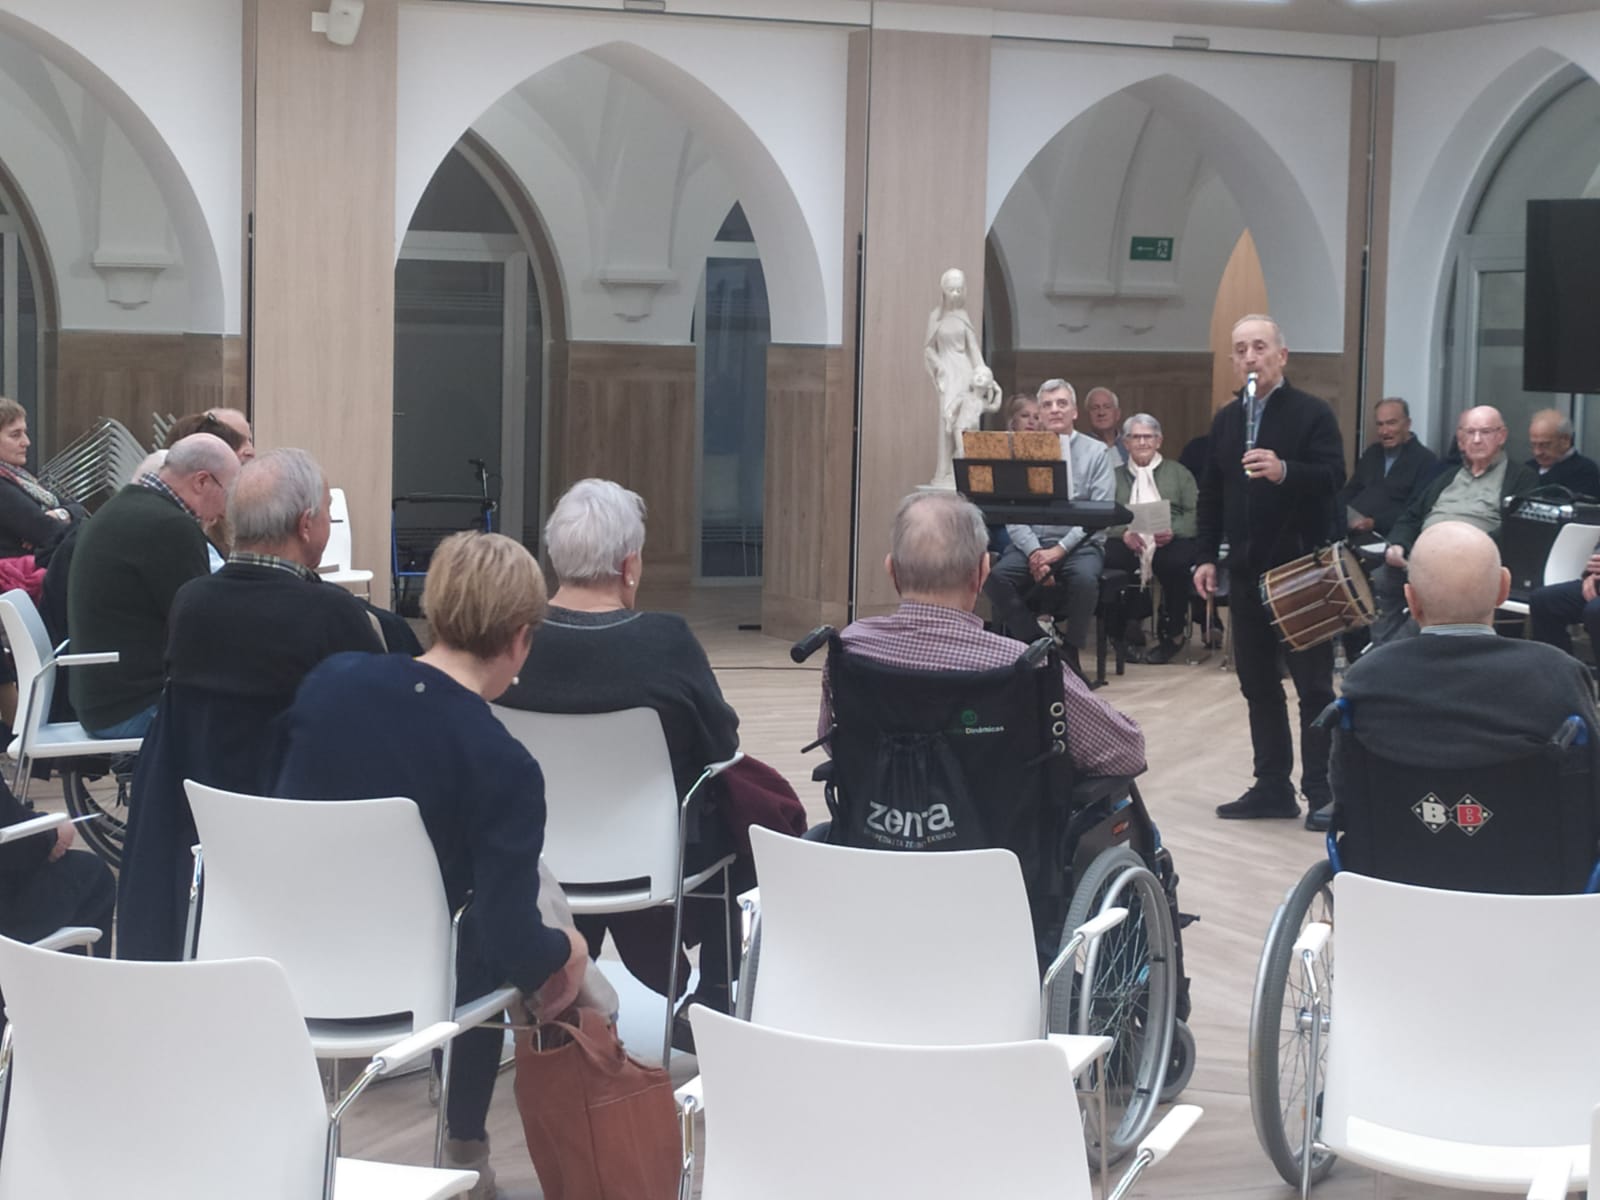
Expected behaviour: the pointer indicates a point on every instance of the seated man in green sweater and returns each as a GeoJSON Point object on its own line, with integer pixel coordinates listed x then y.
{"type": "Point", "coordinates": [131, 559]}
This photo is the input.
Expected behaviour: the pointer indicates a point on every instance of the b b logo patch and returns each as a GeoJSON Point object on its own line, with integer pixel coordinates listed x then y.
{"type": "Point", "coordinates": [1467, 814]}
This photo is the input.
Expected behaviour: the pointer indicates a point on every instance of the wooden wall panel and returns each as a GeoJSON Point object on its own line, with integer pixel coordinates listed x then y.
{"type": "Point", "coordinates": [1243, 290]}
{"type": "Point", "coordinates": [134, 376]}
{"type": "Point", "coordinates": [627, 412]}
{"type": "Point", "coordinates": [807, 490]}
{"type": "Point", "coordinates": [929, 131]}
{"type": "Point", "coordinates": [320, 156]}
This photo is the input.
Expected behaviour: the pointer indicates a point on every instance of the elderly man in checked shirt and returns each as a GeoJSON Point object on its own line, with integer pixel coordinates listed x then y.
{"type": "Point", "coordinates": [938, 560]}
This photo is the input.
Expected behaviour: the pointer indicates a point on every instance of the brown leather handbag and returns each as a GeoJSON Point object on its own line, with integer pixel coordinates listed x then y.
{"type": "Point", "coordinates": [600, 1124]}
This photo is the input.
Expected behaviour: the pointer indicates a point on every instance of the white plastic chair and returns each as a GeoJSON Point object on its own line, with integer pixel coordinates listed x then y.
{"type": "Point", "coordinates": [615, 828]}
{"type": "Point", "coordinates": [1568, 553]}
{"type": "Point", "coordinates": [815, 973]}
{"type": "Point", "coordinates": [1554, 1180]}
{"type": "Point", "coordinates": [934, 1122]}
{"type": "Point", "coordinates": [1462, 1053]}
{"type": "Point", "coordinates": [36, 662]}
{"type": "Point", "coordinates": [68, 935]}
{"type": "Point", "coordinates": [204, 1068]}
{"type": "Point", "coordinates": [347, 896]}
{"type": "Point", "coordinates": [335, 566]}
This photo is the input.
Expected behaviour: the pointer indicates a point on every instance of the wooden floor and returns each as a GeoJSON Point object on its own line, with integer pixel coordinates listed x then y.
{"type": "Point", "coordinates": [1233, 875]}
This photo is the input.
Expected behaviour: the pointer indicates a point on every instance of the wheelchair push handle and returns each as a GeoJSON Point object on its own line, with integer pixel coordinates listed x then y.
{"type": "Point", "coordinates": [811, 643]}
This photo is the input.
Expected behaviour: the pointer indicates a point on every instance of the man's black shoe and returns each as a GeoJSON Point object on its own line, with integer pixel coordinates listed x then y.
{"type": "Point", "coordinates": [1262, 800]}
{"type": "Point", "coordinates": [1164, 653]}
{"type": "Point", "coordinates": [1319, 819]}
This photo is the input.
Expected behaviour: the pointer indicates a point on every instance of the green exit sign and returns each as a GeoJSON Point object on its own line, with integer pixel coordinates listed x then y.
{"type": "Point", "coordinates": [1148, 249]}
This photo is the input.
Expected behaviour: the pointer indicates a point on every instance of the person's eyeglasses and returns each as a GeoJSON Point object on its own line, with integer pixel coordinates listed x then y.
{"type": "Point", "coordinates": [1140, 437]}
{"type": "Point", "coordinates": [1482, 433]}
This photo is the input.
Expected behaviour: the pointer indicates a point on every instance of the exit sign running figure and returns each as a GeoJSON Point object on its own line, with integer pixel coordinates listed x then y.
{"type": "Point", "coordinates": [1151, 249]}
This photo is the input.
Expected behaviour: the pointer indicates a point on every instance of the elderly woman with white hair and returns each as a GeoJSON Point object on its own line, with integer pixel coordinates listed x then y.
{"type": "Point", "coordinates": [595, 653]}
{"type": "Point", "coordinates": [1169, 556]}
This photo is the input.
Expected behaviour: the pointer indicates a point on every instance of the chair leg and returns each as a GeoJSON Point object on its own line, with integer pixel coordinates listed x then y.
{"type": "Point", "coordinates": [729, 911]}
{"type": "Point", "coordinates": [672, 976]}
{"type": "Point", "coordinates": [439, 1125]}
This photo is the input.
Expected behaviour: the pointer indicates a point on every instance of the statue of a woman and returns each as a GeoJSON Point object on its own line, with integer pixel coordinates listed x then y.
{"type": "Point", "coordinates": [954, 357]}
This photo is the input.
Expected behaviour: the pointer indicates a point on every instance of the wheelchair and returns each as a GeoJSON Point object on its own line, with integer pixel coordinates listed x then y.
{"type": "Point", "coordinates": [947, 760]}
{"type": "Point", "coordinates": [1526, 826]}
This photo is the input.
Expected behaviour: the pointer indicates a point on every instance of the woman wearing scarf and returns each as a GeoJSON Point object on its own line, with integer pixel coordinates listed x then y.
{"type": "Point", "coordinates": [32, 517]}
{"type": "Point", "coordinates": [1168, 556]}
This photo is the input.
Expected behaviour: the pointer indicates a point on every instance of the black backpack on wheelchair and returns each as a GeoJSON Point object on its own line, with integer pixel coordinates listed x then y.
{"type": "Point", "coordinates": [1523, 826]}
{"type": "Point", "coordinates": [961, 760]}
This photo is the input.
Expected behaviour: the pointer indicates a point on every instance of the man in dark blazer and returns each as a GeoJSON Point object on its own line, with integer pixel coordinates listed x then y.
{"type": "Point", "coordinates": [1556, 460]}
{"type": "Point", "coordinates": [1386, 473]}
{"type": "Point", "coordinates": [1272, 469]}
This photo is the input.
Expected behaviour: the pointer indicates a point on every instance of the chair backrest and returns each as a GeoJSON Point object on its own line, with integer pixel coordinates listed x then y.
{"type": "Point", "coordinates": [1463, 1016]}
{"type": "Point", "coordinates": [345, 894]}
{"type": "Point", "coordinates": [611, 807]}
{"type": "Point", "coordinates": [337, 554]}
{"type": "Point", "coordinates": [33, 656]}
{"type": "Point", "coordinates": [937, 1123]}
{"type": "Point", "coordinates": [203, 1070]}
{"type": "Point", "coordinates": [1569, 552]}
{"type": "Point", "coordinates": [878, 946]}
{"type": "Point", "coordinates": [1526, 825]}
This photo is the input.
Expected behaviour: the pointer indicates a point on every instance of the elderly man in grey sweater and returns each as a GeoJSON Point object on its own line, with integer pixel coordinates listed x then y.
{"type": "Point", "coordinates": [1056, 568]}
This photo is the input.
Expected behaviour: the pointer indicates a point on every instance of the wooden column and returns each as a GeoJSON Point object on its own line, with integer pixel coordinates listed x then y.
{"type": "Point", "coordinates": [319, 165]}
{"type": "Point", "coordinates": [928, 143]}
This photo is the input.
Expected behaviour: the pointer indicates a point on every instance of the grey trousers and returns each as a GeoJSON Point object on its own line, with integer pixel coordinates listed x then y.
{"type": "Point", "coordinates": [1016, 599]}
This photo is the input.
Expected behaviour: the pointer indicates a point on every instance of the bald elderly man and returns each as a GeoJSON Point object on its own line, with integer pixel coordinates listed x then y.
{"type": "Point", "coordinates": [1475, 493]}
{"type": "Point", "coordinates": [1556, 459]}
{"type": "Point", "coordinates": [1457, 695]}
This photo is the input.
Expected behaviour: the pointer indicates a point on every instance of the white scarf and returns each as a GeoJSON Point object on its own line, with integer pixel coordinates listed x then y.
{"type": "Point", "coordinates": [1145, 492]}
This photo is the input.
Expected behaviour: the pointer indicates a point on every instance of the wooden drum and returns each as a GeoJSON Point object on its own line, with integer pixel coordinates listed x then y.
{"type": "Point", "coordinates": [1318, 596]}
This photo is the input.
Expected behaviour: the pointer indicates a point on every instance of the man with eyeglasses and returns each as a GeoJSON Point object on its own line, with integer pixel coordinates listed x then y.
{"type": "Point", "coordinates": [1555, 457]}
{"type": "Point", "coordinates": [1475, 493]}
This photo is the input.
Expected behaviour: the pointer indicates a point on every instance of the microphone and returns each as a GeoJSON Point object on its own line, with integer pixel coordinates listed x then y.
{"type": "Point", "coordinates": [1252, 415]}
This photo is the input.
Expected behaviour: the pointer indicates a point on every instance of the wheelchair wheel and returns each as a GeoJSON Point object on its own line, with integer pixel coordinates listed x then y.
{"type": "Point", "coordinates": [1126, 992]}
{"type": "Point", "coordinates": [1278, 1040]}
{"type": "Point", "coordinates": [100, 787]}
{"type": "Point", "coordinates": [1180, 1063]}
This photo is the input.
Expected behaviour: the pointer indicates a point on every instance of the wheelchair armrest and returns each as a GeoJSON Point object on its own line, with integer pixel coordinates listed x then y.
{"type": "Point", "coordinates": [1092, 789]}
{"type": "Point", "coordinates": [822, 772]}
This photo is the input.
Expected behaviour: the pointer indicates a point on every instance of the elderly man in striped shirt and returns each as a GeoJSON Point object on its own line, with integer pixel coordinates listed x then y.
{"type": "Point", "coordinates": [938, 559]}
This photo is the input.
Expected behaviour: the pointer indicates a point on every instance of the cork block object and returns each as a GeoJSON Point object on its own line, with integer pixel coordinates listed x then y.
{"type": "Point", "coordinates": [1041, 481]}
{"type": "Point", "coordinates": [1036, 447]}
{"type": "Point", "coordinates": [981, 479]}
{"type": "Point", "coordinates": [983, 443]}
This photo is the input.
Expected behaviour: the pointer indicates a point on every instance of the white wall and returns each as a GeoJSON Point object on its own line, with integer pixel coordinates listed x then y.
{"type": "Point", "coordinates": [1120, 170]}
{"type": "Point", "coordinates": [1455, 95]}
{"type": "Point", "coordinates": [768, 100]}
{"type": "Point", "coordinates": [1276, 131]}
{"type": "Point", "coordinates": [626, 190]}
{"type": "Point", "coordinates": [166, 74]}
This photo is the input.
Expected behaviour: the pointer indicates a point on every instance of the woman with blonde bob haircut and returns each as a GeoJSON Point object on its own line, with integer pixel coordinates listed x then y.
{"type": "Point", "coordinates": [386, 725]}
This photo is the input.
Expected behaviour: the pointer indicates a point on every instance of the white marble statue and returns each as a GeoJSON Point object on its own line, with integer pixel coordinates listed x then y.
{"type": "Point", "coordinates": [954, 359]}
